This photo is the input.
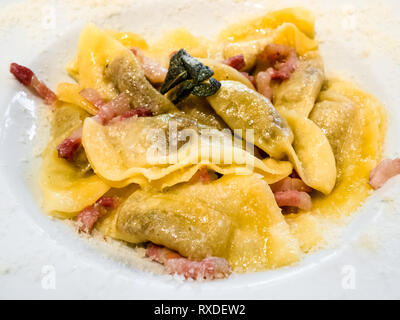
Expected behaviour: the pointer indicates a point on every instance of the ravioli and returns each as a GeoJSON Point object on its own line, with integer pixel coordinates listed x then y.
{"type": "Point", "coordinates": [300, 92]}
{"type": "Point", "coordinates": [107, 66]}
{"type": "Point", "coordinates": [96, 50]}
{"type": "Point", "coordinates": [225, 72]}
{"type": "Point", "coordinates": [175, 40]}
{"type": "Point", "coordinates": [69, 92]}
{"type": "Point", "coordinates": [317, 168]}
{"type": "Point", "coordinates": [355, 124]}
{"type": "Point", "coordinates": [123, 152]}
{"type": "Point", "coordinates": [67, 189]}
{"type": "Point", "coordinates": [199, 109]}
{"type": "Point", "coordinates": [129, 39]}
{"type": "Point", "coordinates": [235, 217]}
{"type": "Point", "coordinates": [302, 18]}
{"type": "Point", "coordinates": [128, 77]}
{"type": "Point", "coordinates": [291, 27]}
{"type": "Point", "coordinates": [245, 109]}
{"type": "Point", "coordinates": [248, 49]}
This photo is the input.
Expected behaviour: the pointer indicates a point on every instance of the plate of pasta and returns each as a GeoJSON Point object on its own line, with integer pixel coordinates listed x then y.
{"type": "Point", "coordinates": [209, 159]}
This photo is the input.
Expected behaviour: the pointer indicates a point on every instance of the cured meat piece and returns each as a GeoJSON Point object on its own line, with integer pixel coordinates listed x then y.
{"type": "Point", "coordinates": [139, 112]}
{"type": "Point", "coordinates": [29, 79]}
{"type": "Point", "coordinates": [160, 254]}
{"type": "Point", "coordinates": [236, 62]}
{"type": "Point", "coordinates": [387, 169]}
{"type": "Point", "coordinates": [93, 96]}
{"type": "Point", "coordinates": [263, 83]}
{"type": "Point", "coordinates": [113, 108]}
{"type": "Point", "coordinates": [119, 108]}
{"type": "Point", "coordinates": [152, 70]}
{"type": "Point", "coordinates": [90, 215]}
{"type": "Point", "coordinates": [298, 199]}
{"type": "Point", "coordinates": [289, 184]}
{"type": "Point", "coordinates": [282, 59]}
{"type": "Point", "coordinates": [251, 78]}
{"type": "Point", "coordinates": [69, 146]}
{"type": "Point", "coordinates": [208, 269]}
{"type": "Point", "coordinates": [203, 176]}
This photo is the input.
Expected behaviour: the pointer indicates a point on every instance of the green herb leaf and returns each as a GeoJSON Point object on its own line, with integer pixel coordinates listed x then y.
{"type": "Point", "coordinates": [176, 72]}
{"type": "Point", "coordinates": [198, 71]}
{"type": "Point", "coordinates": [183, 91]}
{"type": "Point", "coordinates": [189, 73]}
{"type": "Point", "coordinates": [207, 89]}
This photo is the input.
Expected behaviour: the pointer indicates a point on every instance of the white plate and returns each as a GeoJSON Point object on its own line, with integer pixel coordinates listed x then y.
{"type": "Point", "coordinates": [43, 258]}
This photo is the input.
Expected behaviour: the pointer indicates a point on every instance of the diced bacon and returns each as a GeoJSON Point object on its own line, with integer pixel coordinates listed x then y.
{"type": "Point", "coordinates": [93, 96]}
{"type": "Point", "coordinates": [108, 202]}
{"type": "Point", "coordinates": [118, 108]}
{"type": "Point", "coordinates": [69, 146]}
{"type": "Point", "coordinates": [204, 175]}
{"type": "Point", "coordinates": [22, 74]}
{"type": "Point", "coordinates": [160, 254]}
{"type": "Point", "coordinates": [263, 84]}
{"type": "Point", "coordinates": [236, 62]}
{"type": "Point", "coordinates": [208, 269]}
{"type": "Point", "coordinates": [152, 70]}
{"type": "Point", "coordinates": [139, 112]}
{"type": "Point", "coordinates": [291, 193]}
{"type": "Point", "coordinates": [88, 218]}
{"type": "Point", "coordinates": [29, 79]}
{"type": "Point", "coordinates": [43, 91]}
{"type": "Point", "coordinates": [289, 184]}
{"type": "Point", "coordinates": [293, 198]}
{"type": "Point", "coordinates": [282, 59]}
{"type": "Point", "coordinates": [113, 108]}
{"type": "Point", "coordinates": [251, 78]}
{"type": "Point", "coordinates": [386, 170]}
{"type": "Point", "coordinates": [294, 174]}
{"type": "Point", "coordinates": [90, 215]}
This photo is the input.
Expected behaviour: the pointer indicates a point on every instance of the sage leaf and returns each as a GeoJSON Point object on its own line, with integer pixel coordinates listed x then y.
{"type": "Point", "coordinates": [198, 71]}
{"type": "Point", "coordinates": [207, 89]}
{"type": "Point", "coordinates": [183, 91]}
{"type": "Point", "coordinates": [188, 75]}
{"type": "Point", "coordinates": [176, 72]}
